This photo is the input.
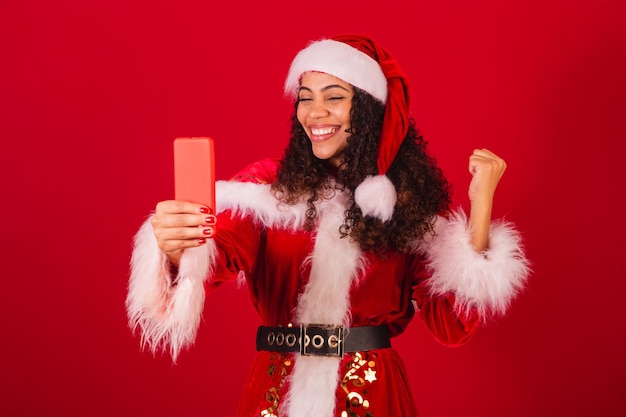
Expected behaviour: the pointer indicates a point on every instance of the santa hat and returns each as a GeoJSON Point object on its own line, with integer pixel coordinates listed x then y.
{"type": "Point", "coordinates": [360, 61]}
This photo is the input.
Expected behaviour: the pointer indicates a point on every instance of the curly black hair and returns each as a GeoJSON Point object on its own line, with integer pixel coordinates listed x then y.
{"type": "Point", "coordinates": [422, 190]}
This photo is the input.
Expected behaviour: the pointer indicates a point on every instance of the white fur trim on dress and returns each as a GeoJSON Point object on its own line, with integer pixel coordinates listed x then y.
{"type": "Point", "coordinates": [257, 200]}
{"type": "Point", "coordinates": [326, 296]}
{"type": "Point", "coordinates": [486, 281]}
{"type": "Point", "coordinates": [166, 311]}
{"type": "Point", "coordinates": [335, 264]}
{"type": "Point", "coordinates": [376, 196]}
{"type": "Point", "coordinates": [342, 61]}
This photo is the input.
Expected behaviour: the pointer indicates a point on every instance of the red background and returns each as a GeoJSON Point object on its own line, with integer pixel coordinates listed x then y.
{"type": "Point", "coordinates": [93, 93]}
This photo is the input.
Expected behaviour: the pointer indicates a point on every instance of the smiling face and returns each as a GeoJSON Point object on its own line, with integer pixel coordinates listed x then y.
{"type": "Point", "coordinates": [324, 104]}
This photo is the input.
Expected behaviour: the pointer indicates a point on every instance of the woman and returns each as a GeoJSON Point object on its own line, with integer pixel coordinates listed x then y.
{"type": "Point", "coordinates": [337, 242]}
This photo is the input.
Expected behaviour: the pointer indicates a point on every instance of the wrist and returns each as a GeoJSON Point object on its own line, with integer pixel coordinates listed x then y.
{"type": "Point", "coordinates": [479, 222]}
{"type": "Point", "coordinates": [174, 258]}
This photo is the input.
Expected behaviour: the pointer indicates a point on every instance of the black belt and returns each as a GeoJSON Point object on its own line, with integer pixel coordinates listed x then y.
{"type": "Point", "coordinates": [322, 340]}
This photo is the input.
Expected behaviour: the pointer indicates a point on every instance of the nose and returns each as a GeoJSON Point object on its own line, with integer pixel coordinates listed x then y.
{"type": "Point", "coordinates": [318, 109]}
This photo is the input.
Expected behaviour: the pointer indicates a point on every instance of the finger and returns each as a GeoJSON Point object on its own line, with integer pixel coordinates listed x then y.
{"type": "Point", "coordinates": [485, 159]}
{"type": "Point", "coordinates": [161, 220]}
{"type": "Point", "coordinates": [478, 164]}
{"type": "Point", "coordinates": [179, 207]}
{"type": "Point", "coordinates": [169, 221]}
{"type": "Point", "coordinates": [170, 240]}
{"type": "Point", "coordinates": [484, 152]}
{"type": "Point", "coordinates": [489, 156]}
{"type": "Point", "coordinates": [164, 235]}
{"type": "Point", "coordinates": [475, 162]}
{"type": "Point", "coordinates": [176, 245]}
{"type": "Point", "coordinates": [210, 220]}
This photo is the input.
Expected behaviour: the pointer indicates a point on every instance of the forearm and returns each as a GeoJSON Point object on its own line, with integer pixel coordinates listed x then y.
{"type": "Point", "coordinates": [479, 222]}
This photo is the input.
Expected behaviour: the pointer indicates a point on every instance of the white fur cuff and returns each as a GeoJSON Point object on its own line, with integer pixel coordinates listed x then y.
{"type": "Point", "coordinates": [167, 312]}
{"type": "Point", "coordinates": [486, 281]}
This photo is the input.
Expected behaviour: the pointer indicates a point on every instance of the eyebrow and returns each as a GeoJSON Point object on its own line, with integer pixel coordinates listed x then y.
{"type": "Point", "coordinates": [328, 87]}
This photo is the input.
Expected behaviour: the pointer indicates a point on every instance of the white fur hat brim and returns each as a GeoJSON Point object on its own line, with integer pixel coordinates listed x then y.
{"type": "Point", "coordinates": [342, 61]}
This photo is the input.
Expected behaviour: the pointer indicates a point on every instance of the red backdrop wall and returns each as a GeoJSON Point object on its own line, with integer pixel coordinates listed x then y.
{"type": "Point", "coordinates": [93, 93]}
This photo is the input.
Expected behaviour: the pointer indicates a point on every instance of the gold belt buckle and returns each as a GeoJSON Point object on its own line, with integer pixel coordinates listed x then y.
{"type": "Point", "coordinates": [321, 340]}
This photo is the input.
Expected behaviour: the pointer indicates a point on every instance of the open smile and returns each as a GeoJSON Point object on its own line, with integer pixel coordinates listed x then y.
{"type": "Point", "coordinates": [323, 132]}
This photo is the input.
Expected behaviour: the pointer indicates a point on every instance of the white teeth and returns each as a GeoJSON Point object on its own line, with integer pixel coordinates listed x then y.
{"type": "Point", "coordinates": [324, 131]}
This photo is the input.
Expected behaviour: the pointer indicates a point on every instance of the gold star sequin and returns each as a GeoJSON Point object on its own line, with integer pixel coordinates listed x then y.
{"type": "Point", "coordinates": [370, 375]}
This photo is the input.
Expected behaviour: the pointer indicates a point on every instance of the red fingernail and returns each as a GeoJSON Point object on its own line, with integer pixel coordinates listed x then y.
{"type": "Point", "coordinates": [211, 219]}
{"type": "Point", "coordinates": [201, 241]}
{"type": "Point", "coordinates": [204, 210]}
{"type": "Point", "coordinates": [208, 232]}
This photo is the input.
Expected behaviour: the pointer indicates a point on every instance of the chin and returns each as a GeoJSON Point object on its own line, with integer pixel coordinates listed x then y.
{"type": "Point", "coordinates": [321, 155]}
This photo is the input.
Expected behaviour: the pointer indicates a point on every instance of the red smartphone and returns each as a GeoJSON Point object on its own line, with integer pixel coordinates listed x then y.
{"type": "Point", "coordinates": [194, 170]}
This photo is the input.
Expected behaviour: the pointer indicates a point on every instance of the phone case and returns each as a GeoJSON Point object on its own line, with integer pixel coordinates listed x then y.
{"type": "Point", "coordinates": [194, 170]}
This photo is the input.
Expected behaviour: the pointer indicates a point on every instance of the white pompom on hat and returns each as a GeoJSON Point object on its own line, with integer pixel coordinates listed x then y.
{"type": "Point", "coordinates": [360, 61]}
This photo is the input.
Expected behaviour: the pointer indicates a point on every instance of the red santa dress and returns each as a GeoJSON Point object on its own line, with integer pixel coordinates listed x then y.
{"type": "Point", "coordinates": [296, 277]}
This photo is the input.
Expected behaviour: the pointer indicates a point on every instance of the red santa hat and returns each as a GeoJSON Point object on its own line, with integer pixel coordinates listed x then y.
{"type": "Point", "coordinates": [360, 61]}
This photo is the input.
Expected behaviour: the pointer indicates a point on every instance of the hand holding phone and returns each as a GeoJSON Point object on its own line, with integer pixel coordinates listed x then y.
{"type": "Point", "coordinates": [194, 170]}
